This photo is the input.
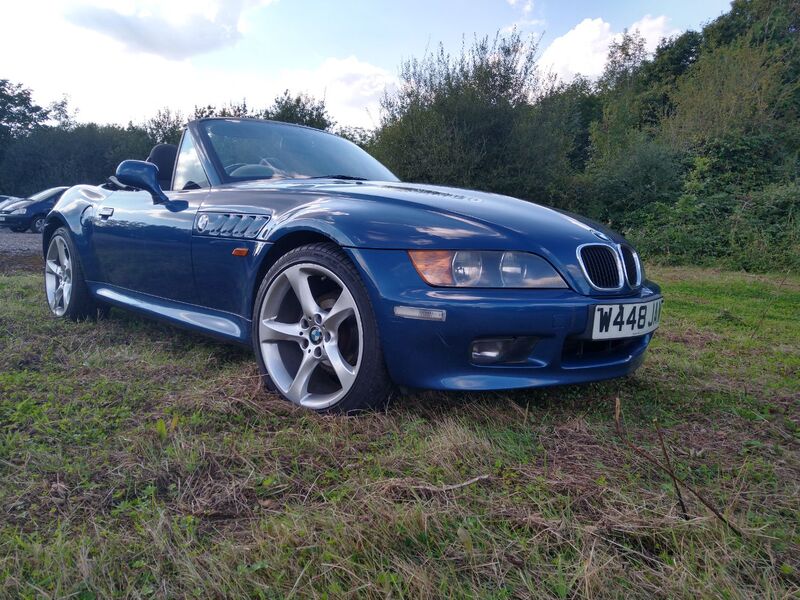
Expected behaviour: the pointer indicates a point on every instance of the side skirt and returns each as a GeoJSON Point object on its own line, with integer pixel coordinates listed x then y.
{"type": "Point", "coordinates": [221, 325]}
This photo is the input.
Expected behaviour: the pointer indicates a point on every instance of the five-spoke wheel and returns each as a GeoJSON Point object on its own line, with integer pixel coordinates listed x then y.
{"type": "Point", "coordinates": [315, 334]}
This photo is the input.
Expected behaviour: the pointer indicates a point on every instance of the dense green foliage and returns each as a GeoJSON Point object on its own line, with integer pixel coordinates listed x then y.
{"type": "Point", "coordinates": [40, 147]}
{"type": "Point", "coordinates": [693, 152]}
{"type": "Point", "coordinates": [301, 109]}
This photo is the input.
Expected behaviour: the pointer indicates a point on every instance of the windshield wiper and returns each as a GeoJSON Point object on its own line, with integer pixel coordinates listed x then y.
{"type": "Point", "coordinates": [345, 177]}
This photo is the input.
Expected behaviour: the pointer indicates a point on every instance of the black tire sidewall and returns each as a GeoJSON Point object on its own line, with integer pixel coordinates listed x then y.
{"type": "Point", "coordinates": [81, 305]}
{"type": "Point", "coordinates": [372, 386]}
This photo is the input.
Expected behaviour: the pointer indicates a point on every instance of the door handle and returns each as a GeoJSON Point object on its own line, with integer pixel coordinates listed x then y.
{"type": "Point", "coordinates": [105, 212]}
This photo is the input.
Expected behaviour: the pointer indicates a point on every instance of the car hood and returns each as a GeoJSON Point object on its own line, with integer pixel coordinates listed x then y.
{"type": "Point", "coordinates": [442, 216]}
{"type": "Point", "coordinates": [8, 202]}
{"type": "Point", "coordinates": [393, 215]}
{"type": "Point", "coordinates": [15, 205]}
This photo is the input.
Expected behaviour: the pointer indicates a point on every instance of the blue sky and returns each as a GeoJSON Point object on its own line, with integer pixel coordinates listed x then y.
{"type": "Point", "coordinates": [120, 60]}
{"type": "Point", "coordinates": [383, 32]}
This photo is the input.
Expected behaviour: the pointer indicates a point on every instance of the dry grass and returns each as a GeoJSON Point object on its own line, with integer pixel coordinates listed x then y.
{"type": "Point", "coordinates": [139, 462]}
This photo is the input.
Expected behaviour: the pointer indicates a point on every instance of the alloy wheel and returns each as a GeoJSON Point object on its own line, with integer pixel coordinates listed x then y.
{"type": "Point", "coordinates": [311, 335]}
{"type": "Point", "coordinates": [58, 276]}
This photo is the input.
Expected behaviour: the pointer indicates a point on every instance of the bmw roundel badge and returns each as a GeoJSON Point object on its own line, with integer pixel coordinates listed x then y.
{"type": "Point", "coordinates": [601, 235]}
{"type": "Point", "coordinates": [202, 222]}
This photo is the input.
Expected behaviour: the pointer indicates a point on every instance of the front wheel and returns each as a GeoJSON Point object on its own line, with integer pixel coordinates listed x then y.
{"type": "Point", "coordinates": [315, 334]}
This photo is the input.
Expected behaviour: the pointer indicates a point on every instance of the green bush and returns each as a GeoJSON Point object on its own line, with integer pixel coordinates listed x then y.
{"type": "Point", "coordinates": [619, 186]}
{"type": "Point", "coordinates": [756, 231]}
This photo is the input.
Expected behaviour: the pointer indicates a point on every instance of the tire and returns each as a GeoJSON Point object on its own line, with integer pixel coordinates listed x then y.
{"type": "Point", "coordinates": [319, 347]}
{"type": "Point", "coordinates": [63, 272]}
{"type": "Point", "coordinates": [38, 223]}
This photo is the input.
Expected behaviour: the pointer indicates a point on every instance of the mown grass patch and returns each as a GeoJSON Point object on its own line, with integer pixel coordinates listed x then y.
{"type": "Point", "coordinates": [138, 460]}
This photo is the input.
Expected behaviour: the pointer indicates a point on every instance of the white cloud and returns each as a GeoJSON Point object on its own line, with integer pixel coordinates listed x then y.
{"type": "Point", "coordinates": [527, 6]}
{"type": "Point", "coordinates": [653, 29]}
{"type": "Point", "coordinates": [351, 87]}
{"type": "Point", "coordinates": [109, 80]}
{"type": "Point", "coordinates": [525, 21]}
{"type": "Point", "coordinates": [176, 29]}
{"type": "Point", "coordinates": [523, 25]}
{"type": "Point", "coordinates": [584, 48]}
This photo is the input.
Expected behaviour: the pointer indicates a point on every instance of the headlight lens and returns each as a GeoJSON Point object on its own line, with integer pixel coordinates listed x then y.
{"type": "Point", "coordinates": [467, 268]}
{"type": "Point", "coordinates": [486, 269]}
{"type": "Point", "coordinates": [19, 211]}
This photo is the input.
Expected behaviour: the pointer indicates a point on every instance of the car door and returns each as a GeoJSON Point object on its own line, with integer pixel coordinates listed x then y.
{"type": "Point", "coordinates": [145, 246]}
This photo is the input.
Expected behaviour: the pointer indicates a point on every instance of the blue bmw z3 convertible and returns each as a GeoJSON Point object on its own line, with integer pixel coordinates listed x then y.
{"type": "Point", "coordinates": [346, 281]}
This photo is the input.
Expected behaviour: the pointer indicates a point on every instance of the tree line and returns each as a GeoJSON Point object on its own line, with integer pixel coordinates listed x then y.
{"type": "Point", "coordinates": [692, 151]}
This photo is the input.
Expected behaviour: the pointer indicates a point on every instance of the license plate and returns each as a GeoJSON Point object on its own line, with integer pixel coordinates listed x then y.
{"type": "Point", "coordinates": [612, 321]}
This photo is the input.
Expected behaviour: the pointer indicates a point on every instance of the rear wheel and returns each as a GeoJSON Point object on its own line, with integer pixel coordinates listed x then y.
{"type": "Point", "coordinates": [37, 224]}
{"type": "Point", "coordinates": [315, 335]}
{"type": "Point", "coordinates": [65, 288]}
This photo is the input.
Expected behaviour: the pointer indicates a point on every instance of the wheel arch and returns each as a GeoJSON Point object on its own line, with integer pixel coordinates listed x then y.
{"type": "Point", "coordinates": [54, 221]}
{"type": "Point", "coordinates": [283, 244]}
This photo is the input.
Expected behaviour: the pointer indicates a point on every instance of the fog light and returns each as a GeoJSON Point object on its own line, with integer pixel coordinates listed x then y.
{"type": "Point", "coordinates": [510, 350]}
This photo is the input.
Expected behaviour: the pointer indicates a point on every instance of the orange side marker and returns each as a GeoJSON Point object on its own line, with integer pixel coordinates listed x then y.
{"type": "Point", "coordinates": [240, 251]}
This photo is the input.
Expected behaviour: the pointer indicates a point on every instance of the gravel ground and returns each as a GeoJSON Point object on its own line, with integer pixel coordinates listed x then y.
{"type": "Point", "coordinates": [19, 243]}
{"type": "Point", "coordinates": [20, 252]}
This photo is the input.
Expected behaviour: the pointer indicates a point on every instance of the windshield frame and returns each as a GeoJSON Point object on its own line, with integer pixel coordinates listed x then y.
{"type": "Point", "coordinates": [209, 155]}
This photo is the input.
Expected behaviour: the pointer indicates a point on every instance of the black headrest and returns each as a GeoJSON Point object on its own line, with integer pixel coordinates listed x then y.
{"type": "Point", "coordinates": [163, 156]}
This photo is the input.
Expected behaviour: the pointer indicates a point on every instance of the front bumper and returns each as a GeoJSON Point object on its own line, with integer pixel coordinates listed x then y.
{"type": "Point", "coordinates": [15, 221]}
{"type": "Point", "coordinates": [437, 354]}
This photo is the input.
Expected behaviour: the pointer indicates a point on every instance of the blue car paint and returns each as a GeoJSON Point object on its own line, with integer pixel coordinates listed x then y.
{"type": "Point", "coordinates": [435, 355]}
{"type": "Point", "coordinates": [151, 257]}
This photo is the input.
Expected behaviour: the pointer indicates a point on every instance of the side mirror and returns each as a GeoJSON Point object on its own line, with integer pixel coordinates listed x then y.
{"type": "Point", "coordinates": [141, 175]}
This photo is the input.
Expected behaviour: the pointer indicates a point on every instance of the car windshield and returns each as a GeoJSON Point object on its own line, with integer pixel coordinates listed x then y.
{"type": "Point", "coordinates": [250, 149]}
{"type": "Point", "coordinates": [43, 194]}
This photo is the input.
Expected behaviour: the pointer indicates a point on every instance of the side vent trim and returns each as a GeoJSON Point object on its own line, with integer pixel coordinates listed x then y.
{"type": "Point", "coordinates": [229, 225]}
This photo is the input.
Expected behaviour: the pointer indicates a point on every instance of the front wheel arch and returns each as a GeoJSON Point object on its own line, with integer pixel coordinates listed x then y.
{"type": "Point", "coordinates": [54, 222]}
{"type": "Point", "coordinates": [285, 244]}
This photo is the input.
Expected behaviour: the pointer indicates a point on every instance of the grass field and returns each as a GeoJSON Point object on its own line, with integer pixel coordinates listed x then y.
{"type": "Point", "coordinates": [137, 460]}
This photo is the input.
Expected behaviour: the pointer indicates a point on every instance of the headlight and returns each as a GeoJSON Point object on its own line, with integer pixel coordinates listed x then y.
{"type": "Point", "coordinates": [19, 211]}
{"type": "Point", "coordinates": [486, 269]}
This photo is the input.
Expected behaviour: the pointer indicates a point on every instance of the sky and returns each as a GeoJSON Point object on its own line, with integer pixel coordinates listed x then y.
{"type": "Point", "coordinates": [121, 60]}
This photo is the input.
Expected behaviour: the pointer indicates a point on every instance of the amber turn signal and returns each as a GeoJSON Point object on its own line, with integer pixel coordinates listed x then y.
{"type": "Point", "coordinates": [240, 251]}
{"type": "Point", "coordinates": [434, 266]}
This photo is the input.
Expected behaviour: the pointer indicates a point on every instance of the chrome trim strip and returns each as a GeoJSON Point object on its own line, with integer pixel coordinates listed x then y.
{"type": "Point", "coordinates": [229, 224]}
{"type": "Point", "coordinates": [618, 259]}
